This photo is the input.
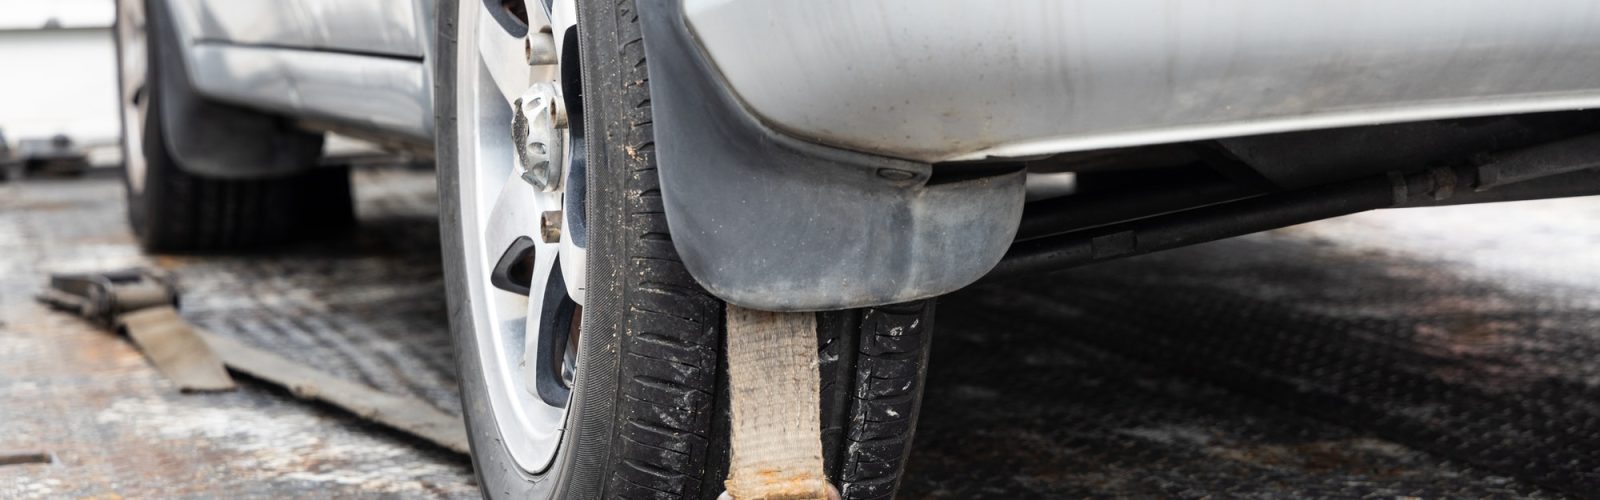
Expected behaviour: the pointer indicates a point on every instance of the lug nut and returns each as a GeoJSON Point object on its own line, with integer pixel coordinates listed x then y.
{"type": "Point", "coordinates": [540, 47]}
{"type": "Point", "coordinates": [550, 226]}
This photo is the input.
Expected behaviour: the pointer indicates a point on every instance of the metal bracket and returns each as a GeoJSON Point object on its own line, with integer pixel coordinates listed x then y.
{"type": "Point", "coordinates": [101, 297]}
{"type": "Point", "coordinates": [143, 304]}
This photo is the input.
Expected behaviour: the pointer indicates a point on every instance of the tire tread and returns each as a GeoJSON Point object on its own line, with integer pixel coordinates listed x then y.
{"type": "Point", "coordinates": [669, 420]}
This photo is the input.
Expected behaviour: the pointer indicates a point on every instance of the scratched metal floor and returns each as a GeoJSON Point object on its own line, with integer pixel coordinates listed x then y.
{"type": "Point", "coordinates": [1449, 352]}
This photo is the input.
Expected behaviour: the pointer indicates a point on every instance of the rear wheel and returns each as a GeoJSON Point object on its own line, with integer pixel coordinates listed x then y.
{"type": "Point", "coordinates": [173, 209]}
{"type": "Point", "coordinates": [590, 360]}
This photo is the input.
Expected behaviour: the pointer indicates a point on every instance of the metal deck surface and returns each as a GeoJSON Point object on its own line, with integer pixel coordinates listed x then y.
{"type": "Point", "coordinates": [1427, 353]}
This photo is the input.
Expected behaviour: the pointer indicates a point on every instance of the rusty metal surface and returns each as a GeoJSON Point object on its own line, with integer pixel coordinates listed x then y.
{"type": "Point", "coordinates": [365, 307]}
{"type": "Point", "coordinates": [400, 413]}
{"type": "Point", "coordinates": [1443, 352]}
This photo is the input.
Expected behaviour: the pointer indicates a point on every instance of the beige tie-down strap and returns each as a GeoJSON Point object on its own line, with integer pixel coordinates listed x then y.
{"type": "Point", "coordinates": [775, 398]}
{"type": "Point", "coordinates": [143, 304]}
{"type": "Point", "coordinates": [176, 349]}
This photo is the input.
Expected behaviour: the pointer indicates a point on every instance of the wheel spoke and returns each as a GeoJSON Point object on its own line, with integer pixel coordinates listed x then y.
{"type": "Point", "coordinates": [538, 17]}
{"type": "Point", "coordinates": [505, 57]}
{"type": "Point", "coordinates": [513, 214]}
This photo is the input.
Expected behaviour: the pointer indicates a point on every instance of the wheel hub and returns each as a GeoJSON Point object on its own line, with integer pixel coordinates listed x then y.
{"type": "Point", "coordinates": [538, 129]}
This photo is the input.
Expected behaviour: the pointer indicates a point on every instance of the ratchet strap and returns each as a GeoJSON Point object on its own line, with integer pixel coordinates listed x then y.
{"type": "Point", "coordinates": [775, 397]}
{"type": "Point", "coordinates": [176, 349]}
{"type": "Point", "coordinates": [143, 304]}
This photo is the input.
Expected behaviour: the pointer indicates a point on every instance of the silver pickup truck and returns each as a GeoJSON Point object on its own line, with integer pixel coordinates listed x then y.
{"type": "Point", "coordinates": [611, 174]}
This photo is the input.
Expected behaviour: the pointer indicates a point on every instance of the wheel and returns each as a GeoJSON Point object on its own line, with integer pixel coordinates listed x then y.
{"type": "Point", "coordinates": [590, 360]}
{"type": "Point", "coordinates": [173, 209]}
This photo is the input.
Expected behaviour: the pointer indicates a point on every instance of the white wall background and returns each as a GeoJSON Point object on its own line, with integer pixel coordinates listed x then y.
{"type": "Point", "coordinates": [18, 14]}
{"type": "Point", "coordinates": [58, 76]}
{"type": "Point", "coordinates": [62, 79]}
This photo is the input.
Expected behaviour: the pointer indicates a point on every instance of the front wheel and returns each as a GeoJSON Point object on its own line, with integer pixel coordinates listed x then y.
{"type": "Point", "coordinates": [591, 362]}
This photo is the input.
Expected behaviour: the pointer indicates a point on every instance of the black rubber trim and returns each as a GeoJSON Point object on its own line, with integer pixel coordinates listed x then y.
{"type": "Point", "coordinates": [767, 221]}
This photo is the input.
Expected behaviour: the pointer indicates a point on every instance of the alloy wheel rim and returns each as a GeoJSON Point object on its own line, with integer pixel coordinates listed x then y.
{"type": "Point", "coordinates": [524, 271]}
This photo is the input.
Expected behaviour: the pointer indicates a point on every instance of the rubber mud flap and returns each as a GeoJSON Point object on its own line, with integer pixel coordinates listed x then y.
{"type": "Point", "coordinates": [771, 222]}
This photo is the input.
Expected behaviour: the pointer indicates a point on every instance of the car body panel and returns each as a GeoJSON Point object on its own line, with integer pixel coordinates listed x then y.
{"type": "Point", "coordinates": [938, 80]}
{"type": "Point", "coordinates": [946, 80]}
{"type": "Point", "coordinates": [354, 91]}
{"type": "Point", "coordinates": [352, 65]}
{"type": "Point", "coordinates": [379, 27]}
{"type": "Point", "coordinates": [796, 140]}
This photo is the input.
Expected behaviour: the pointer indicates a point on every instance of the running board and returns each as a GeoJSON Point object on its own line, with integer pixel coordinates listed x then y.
{"type": "Point", "coordinates": [1564, 168]}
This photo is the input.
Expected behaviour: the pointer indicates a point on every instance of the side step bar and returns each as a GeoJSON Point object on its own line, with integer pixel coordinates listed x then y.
{"type": "Point", "coordinates": [1564, 168]}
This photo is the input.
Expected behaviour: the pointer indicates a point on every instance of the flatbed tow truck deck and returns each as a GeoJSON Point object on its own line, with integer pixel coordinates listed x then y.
{"type": "Point", "coordinates": [1447, 352]}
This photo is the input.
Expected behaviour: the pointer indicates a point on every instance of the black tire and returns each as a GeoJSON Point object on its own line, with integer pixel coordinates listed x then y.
{"type": "Point", "coordinates": [182, 212]}
{"type": "Point", "coordinates": [873, 362]}
{"type": "Point", "coordinates": [649, 416]}
{"type": "Point", "coordinates": [177, 210]}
